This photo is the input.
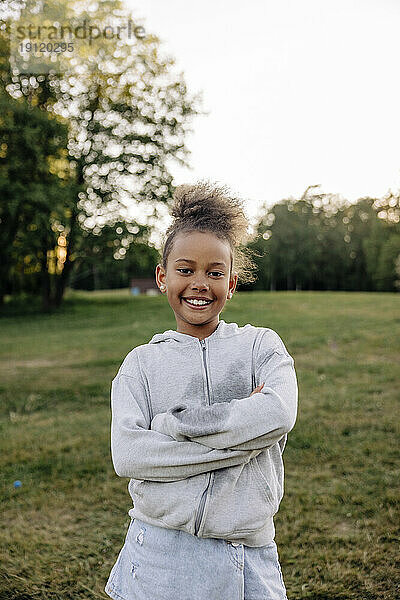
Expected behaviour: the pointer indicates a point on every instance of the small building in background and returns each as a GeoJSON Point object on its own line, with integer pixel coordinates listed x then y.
{"type": "Point", "coordinates": [144, 286]}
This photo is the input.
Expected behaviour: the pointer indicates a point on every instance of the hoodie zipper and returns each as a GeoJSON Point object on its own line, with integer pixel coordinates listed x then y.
{"type": "Point", "coordinates": [200, 510]}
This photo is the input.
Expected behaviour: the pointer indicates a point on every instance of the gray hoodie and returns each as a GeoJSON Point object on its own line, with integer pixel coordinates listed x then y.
{"type": "Point", "coordinates": [202, 454]}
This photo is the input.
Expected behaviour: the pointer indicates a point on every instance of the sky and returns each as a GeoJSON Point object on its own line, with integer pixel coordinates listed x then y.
{"type": "Point", "coordinates": [299, 93]}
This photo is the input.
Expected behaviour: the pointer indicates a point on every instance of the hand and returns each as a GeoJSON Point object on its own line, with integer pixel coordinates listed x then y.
{"type": "Point", "coordinates": [257, 389]}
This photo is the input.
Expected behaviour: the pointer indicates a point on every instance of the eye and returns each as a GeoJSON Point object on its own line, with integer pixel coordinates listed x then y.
{"type": "Point", "coordinates": [217, 273]}
{"type": "Point", "coordinates": [183, 269]}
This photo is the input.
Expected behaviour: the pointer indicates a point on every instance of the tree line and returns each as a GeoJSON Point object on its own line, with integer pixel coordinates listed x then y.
{"type": "Point", "coordinates": [323, 242]}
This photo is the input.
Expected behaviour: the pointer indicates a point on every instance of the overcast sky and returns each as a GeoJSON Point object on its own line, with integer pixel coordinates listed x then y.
{"type": "Point", "coordinates": [300, 92]}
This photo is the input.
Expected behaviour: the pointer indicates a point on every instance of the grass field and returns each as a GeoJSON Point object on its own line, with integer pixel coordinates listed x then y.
{"type": "Point", "coordinates": [337, 529]}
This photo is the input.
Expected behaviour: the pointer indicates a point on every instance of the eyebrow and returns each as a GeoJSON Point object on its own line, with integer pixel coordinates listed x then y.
{"type": "Point", "coordinates": [222, 264]}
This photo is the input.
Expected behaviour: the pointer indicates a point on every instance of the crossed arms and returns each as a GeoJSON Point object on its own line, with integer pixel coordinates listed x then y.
{"type": "Point", "coordinates": [184, 442]}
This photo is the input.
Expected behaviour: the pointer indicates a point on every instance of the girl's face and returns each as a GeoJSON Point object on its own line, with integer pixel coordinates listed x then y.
{"type": "Point", "coordinates": [198, 267]}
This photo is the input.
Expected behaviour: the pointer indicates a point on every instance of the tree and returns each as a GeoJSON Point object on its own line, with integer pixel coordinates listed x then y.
{"type": "Point", "coordinates": [127, 113]}
{"type": "Point", "coordinates": [32, 190]}
{"type": "Point", "coordinates": [386, 268]}
{"type": "Point", "coordinates": [382, 244]}
{"type": "Point", "coordinates": [112, 262]}
{"type": "Point", "coordinates": [321, 241]}
{"type": "Point", "coordinates": [301, 245]}
{"type": "Point", "coordinates": [397, 270]}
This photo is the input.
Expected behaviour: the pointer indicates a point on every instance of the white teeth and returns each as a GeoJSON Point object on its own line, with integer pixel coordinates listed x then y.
{"type": "Point", "coordinates": [198, 302]}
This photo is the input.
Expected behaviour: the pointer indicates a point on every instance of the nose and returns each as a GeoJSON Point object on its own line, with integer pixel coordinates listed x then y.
{"type": "Point", "coordinates": [199, 286]}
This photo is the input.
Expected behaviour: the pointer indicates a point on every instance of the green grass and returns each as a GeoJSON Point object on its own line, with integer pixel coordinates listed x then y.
{"type": "Point", "coordinates": [337, 529]}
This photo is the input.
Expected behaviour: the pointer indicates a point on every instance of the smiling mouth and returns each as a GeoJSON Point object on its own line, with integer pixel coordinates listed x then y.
{"type": "Point", "coordinates": [197, 306]}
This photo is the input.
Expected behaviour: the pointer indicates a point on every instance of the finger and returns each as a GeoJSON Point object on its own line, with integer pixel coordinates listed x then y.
{"type": "Point", "coordinates": [259, 387]}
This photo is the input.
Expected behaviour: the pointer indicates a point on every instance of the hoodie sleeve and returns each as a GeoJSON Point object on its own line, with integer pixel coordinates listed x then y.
{"type": "Point", "coordinates": [143, 454]}
{"type": "Point", "coordinates": [255, 422]}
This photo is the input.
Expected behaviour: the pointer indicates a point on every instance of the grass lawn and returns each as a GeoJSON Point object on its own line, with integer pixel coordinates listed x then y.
{"type": "Point", "coordinates": [337, 529]}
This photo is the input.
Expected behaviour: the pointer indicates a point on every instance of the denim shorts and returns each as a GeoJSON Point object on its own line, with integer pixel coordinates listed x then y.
{"type": "Point", "coordinates": [169, 564]}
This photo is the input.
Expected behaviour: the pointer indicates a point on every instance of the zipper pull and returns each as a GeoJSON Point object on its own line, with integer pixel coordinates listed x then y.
{"type": "Point", "coordinates": [203, 344]}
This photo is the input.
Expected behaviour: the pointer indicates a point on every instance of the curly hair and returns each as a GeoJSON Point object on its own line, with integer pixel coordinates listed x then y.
{"type": "Point", "coordinates": [208, 207]}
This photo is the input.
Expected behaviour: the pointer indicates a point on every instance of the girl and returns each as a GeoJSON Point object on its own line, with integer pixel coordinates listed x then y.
{"type": "Point", "coordinates": [200, 418]}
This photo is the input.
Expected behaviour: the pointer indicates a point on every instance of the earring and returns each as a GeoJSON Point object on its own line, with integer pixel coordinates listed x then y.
{"type": "Point", "coordinates": [162, 288]}
{"type": "Point", "coordinates": [230, 295]}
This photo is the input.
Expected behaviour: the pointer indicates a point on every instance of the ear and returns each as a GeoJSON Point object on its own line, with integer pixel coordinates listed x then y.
{"type": "Point", "coordinates": [160, 275]}
{"type": "Point", "coordinates": [233, 283]}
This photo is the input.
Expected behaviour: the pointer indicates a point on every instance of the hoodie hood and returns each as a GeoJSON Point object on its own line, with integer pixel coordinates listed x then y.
{"type": "Point", "coordinates": [222, 330]}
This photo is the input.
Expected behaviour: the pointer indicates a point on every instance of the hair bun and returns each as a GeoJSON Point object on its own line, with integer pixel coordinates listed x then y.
{"type": "Point", "coordinates": [210, 207]}
{"type": "Point", "coordinates": [191, 201]}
